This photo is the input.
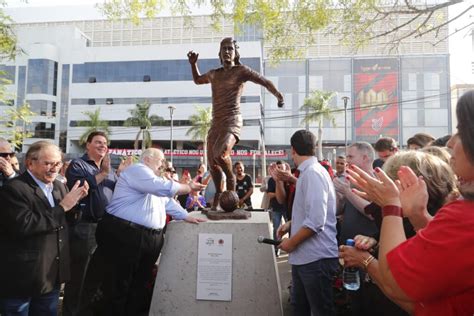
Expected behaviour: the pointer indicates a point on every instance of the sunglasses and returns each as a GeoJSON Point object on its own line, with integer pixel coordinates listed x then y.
{"type": "Point", "coordinates": [5, 155]}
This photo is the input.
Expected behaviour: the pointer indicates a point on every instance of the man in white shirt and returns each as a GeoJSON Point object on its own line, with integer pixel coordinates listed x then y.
{"type": "Point", "coordinates": [312, 246]}
{"type": "Point", "coordinates": [130, 236]}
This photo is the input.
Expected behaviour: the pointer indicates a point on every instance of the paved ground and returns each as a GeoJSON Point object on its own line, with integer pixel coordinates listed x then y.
{"type": "Point", "coordinates": [284, 271]}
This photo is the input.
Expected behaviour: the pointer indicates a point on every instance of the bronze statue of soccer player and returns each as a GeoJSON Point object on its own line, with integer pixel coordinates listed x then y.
{"type": "Point", "coordinates": [227, 83]}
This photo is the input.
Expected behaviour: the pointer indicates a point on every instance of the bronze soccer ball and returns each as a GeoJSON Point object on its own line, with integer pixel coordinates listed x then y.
{"type": "Point", "coordinates": [229, 200]}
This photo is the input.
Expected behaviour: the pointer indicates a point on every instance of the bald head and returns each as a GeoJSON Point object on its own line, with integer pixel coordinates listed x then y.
{"type": "Point", "coordinates": [153, 158]}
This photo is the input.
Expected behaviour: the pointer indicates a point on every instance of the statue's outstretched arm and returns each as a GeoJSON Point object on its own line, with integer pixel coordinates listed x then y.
{"type": "Point", "coordinates": [261, 80]}
{"type": "Point", "coordinates": [197, 77]}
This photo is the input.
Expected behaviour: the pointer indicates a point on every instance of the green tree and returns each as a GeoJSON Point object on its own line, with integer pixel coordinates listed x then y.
{"type": "Point", "coordinates": [94, 124]}
{"type": "Point", "coordinates": [16, 118]}
{"type": "Point", "coordinates": [200, 125]}
{"type": "Point", "coordinates": [290, 26]}
{"type": "Point", "coordinates": [317, 109]}
{"type": "Point", "coordinates": [141, 117]}
{"type": "Point", "coordinates": [16, 121]}
{"type": "Point", "coordinates": [8, 41]}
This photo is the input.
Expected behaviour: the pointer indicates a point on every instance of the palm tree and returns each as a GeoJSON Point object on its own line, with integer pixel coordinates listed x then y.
{"type": "Point", "coordinates": [94, 124]}
{"type": "Point", "coordinates": [141, 118]}
{"type": "Point", "coordinates": [317, 109]}
{"type": "Point", "coordinates": [200, 125]}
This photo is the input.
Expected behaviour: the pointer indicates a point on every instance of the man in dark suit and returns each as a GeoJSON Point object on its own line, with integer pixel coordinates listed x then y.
{"type": "Point", "coordinates": [33, 234]}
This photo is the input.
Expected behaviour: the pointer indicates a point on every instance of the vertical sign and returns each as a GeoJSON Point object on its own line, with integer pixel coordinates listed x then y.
{"type": "Point", "coordinates": [376, 98]}
{"type": "Point", "coordinates": [214, 269]}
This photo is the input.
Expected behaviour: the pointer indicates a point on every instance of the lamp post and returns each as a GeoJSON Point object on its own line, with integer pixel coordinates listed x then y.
{"type": "Point", "coordinates": [171, 108]}
{"type": "Point", "coordinates": [345, 99]}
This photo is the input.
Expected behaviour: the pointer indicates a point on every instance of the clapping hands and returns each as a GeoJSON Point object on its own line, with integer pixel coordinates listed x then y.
{"type": "Point", "coordinates": [380, 189]}
{"type": "Point", "coordinates": [281, 172]}
{"type": "Point", "coordinates": [76, 194]}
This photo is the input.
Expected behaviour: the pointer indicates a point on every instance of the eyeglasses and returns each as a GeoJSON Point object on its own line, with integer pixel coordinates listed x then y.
{"type": "Point", "coordinates": [51, 164]}
{"type": "Point", "coordinates": [5, 155]}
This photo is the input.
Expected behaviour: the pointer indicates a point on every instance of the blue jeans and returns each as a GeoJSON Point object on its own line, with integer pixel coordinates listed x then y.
{"type": "Point", "coordinates": [276, 219]}
{"type": "Point", "coordinates": [44, 305]}
{"type": "Point", "coordinates": [312, 288]}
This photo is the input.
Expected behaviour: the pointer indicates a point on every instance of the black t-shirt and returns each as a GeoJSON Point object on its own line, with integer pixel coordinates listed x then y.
{"type": "Point", "coordinates": [276, 207]}
{"type": "Point", "coordinates": [242, 187]}
{"type": "Point", "coordinates": [354, 223]}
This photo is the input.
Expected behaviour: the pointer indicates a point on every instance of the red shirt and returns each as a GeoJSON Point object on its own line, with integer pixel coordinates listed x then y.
{"type": "Point", "coordinates": [435, 268]}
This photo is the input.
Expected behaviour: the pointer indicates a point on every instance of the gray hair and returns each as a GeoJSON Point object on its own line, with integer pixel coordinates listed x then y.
{"type": "Point", "coordinates": [151, 153]}
{"type": "Point", "coordinates": [366, 148]}
{"type": "Point", "coordinates": [36, 148]}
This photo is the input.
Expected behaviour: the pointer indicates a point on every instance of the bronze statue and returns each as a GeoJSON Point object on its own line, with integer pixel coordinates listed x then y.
{"type": "Point", "coordinates": [227, 83]}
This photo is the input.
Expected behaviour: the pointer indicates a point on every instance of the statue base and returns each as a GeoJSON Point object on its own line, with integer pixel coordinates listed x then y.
{"type": "Point", "coordinates": [254, 270]}
{"type": "Point", "coordinates": [221, 215]}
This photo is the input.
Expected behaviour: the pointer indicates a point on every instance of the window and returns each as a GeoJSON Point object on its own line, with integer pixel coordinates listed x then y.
{"type": "Point", "coordinates": [43, 107]}
{"type": "Point", "coordinates": [42, 76]}
{"type": "Point", "coordinates": [8, 73]}
{"type": "Point", "coordinates": [146, 70]}
{"type": "Point", "coordinates": [41, 130]}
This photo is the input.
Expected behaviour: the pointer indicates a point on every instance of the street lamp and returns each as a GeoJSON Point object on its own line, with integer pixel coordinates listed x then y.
{"type": "Point", "coordinates": [345, 99]}
{"type": "Point", "coordinates": [171, 108]}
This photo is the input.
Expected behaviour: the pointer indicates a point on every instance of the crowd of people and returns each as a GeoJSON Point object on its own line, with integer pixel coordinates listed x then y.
{"type": "Point", "coordinates": [100, 230]}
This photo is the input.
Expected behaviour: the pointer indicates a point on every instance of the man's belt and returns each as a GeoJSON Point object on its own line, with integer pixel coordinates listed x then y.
{"type": "Point", "coordinates": [132, 224]}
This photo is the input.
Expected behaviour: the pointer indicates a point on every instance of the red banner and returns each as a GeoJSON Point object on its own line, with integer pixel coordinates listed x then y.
{"type": "Point", "coordinates": [376, 98]}
{"type": "Point", "coordinates": [198, 152]}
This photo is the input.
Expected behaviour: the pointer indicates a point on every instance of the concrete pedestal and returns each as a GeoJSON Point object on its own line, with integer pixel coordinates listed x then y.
{"type": "Point", "coordinates": [255, 282]}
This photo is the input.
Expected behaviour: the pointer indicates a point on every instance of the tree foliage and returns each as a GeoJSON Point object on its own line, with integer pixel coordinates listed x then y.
{"type": "Point", "coordinates": [95, 123]}
{"type": "Point", "coordinates": [200, 125]}
{"type": "Point", "coordinates": [317, 109]}
{"type": "Point", "coordinates": [8, 41]}
{"type": "Point", "coordinates": [141, 117]}
{"type": "Point", "coordinates": [289, 27]}
{"type": "Point", "coordinates": [15, 122]}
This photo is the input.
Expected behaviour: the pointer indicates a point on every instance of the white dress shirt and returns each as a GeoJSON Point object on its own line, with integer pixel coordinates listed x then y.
{"type": "Point", "coordinates": [144, 198]}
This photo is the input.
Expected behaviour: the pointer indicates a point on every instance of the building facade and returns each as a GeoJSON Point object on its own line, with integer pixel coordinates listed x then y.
{"type": "Point", "coordinates": [73, 67]}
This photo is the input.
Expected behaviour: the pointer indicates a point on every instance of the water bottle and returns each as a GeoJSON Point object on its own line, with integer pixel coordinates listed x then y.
{"type": "Point", "coordinates": [351, 278]}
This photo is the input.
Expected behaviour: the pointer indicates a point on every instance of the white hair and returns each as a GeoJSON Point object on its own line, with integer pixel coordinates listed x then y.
{"type": "Point", "coordinates": [151, 153]}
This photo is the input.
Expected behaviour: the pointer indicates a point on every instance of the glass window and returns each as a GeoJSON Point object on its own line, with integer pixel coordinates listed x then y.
{"type": "Point", "coordinates": [41, 130]}
{"type": "Point", "coordinates": [43, 107]}
{"type": "Point", "coordinates": [8, 73]}
{"type": "Point", "coordinates": [64, 106]}
{"type": "Point", "coordinates": [42, 76]}
{"type": "Point", "coordinates": [436, 117]}
{"type": "Point", "coordinates": [431, 81]}
{"type": "Point", "coordinates": [410, 117]}
{"type": "Point", "coordinates": [20, 99]}
{"type": "Point", "coordinates": [164, 100]}
{"type": "Point", "coordinates": [157, 70]}
{"type": "Point", "coordinates": [412, 82]}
